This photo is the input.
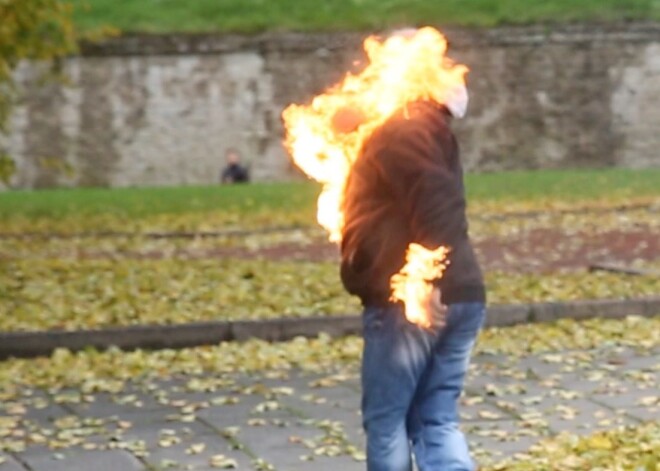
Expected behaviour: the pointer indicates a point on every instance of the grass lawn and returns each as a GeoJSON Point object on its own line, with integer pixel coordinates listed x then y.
{"type": "Point", "coordinates": [142, 202]}
{"type": "Point", "coordinates": [300, 197]}
{"type": "Point", "coordinates": [259, 15]}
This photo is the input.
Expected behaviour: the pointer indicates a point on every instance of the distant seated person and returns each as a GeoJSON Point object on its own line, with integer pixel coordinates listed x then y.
{"type": "Point", "coordinates": [234, 172]}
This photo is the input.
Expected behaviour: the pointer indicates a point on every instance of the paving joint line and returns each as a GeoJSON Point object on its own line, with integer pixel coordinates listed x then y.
{"type": "Point", "coordinates": [488, 400]}
{"type": "Point", "coordinates": [232, 440]}
{"type": "Point", "coordinates": [508, 415]}
{"type": "Point", "coordinates": [613, 409]}
{"type": "Point", "coordinates": [147, 466]}
{"type": "Point", "coordinates": [20, 461]}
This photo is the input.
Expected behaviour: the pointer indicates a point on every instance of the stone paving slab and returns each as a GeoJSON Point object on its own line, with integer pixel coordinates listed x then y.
{"type": "Point", "coordinates": [7, 463]}
{"type": "Point", "coordinates": [342, 463]}
{"type": "Point", "coordinates": [46, 415]}
{"type": "Point", "coordinates": [69, 460]}
{"type": "Point", "coordinates": [280, 446]}
{"type": "Point", "coordinates": [195, 454]}
{"type": "Point", "coordinates": [157, 433]}
{"type": "Point", "coordinates": [299, 421]}
{"type": "Point", "coordinates": [106, 404]}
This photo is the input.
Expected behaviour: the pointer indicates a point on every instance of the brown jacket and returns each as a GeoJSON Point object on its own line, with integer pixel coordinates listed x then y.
{"type": "Point", "coordinates": [407, 186]}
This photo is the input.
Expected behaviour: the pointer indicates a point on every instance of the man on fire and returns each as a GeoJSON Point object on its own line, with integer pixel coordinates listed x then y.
{"type": "Point", "coordinates": [381, 144]}
{"type": "Point", "coordinates": [407, 187]}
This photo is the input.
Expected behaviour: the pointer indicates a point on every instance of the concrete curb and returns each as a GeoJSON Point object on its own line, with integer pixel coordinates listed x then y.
{"type": "Point", "coordinates": [32, 344]}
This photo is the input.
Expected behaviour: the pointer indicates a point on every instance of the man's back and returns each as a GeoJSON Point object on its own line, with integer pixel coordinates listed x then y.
{"type": "Point", "coordinates": [407, 186]}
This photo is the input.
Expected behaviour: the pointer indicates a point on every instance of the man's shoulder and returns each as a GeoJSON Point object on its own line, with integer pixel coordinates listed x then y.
{"type": "Point", "coordinates": [403, 131]}
{"type": "Point", "coordinates": [416, 118]}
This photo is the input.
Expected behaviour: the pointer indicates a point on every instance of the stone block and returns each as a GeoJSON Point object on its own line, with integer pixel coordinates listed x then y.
{"type": "Point", "coordinates": [7, 463]}
{"type": "Point", "coordinates": [78, 460]}
{"type": "Point", "coordinates": [505, 315]}
{"type": "Point", "coordinates": [196, 454]}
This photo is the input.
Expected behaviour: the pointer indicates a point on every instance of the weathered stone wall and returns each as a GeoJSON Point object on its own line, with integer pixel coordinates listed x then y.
{"type": "Point", "coordinates": [155, 110]}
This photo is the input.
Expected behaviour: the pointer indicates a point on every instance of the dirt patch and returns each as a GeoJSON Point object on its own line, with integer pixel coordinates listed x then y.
{"type": "Point", "coordinates": [537, 251]}
{"type": "Point", "coordinates": [550, 250]}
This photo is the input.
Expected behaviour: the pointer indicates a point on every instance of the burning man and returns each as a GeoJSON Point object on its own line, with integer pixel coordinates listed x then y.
{"type": "Point", "coordinates": [380, 143]}
{"type": "Point", "coordinates": [407, 187]}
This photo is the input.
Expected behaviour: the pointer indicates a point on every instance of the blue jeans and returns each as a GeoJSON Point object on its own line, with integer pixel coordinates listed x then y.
{"type": "Point", "coordinates": [411, 381]}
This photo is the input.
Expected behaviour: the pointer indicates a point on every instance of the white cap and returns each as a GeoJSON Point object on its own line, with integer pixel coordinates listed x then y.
{"type": "Point", "coordinates": [457, 101]}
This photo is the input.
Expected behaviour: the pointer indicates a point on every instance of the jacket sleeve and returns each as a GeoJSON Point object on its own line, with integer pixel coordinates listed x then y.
{"type": "Point", "coordinates": [415, 166]}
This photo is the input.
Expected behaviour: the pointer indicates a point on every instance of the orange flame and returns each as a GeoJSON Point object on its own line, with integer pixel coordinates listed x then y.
{"type": "Point", "coordinates": [412, 284]}
{"type": "Point", "coordinates": [402, 69]}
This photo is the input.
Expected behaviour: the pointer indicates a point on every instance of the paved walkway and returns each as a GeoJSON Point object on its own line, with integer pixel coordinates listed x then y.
{"type": "Point", "coordinates": [299, 421]}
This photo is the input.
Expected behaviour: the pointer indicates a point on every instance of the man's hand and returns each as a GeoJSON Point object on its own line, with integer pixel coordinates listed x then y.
{"type": "Point", "coordinates": [437, 311]}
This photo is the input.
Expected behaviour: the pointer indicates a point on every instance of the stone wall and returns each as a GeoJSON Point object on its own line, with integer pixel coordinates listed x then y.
{"type": "Point", "coordinates": [161, 110]}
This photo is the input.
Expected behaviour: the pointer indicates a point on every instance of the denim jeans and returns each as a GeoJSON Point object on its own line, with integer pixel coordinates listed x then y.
{"type": "Point", "coordinates": [411, 381]}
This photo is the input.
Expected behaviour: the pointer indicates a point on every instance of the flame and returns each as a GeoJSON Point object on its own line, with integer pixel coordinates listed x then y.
{"type": "Point", "coordinates": [401, 69]}
{"type": "Point", "coordinates": [412, 285]}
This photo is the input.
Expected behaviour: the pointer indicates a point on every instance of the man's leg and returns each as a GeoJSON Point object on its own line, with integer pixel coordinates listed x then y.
{"type": "Point", "coordinates": [433, 417]}
{"type": "Point", "coordinates": [396, 353]}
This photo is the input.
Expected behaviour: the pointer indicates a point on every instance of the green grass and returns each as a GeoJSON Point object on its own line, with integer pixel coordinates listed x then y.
{"type": "Point", "coordinates": [141, 202]}
{"type": "Point", "coordinates": [566, 185]}
{"type": "Point", "coordinates": [300, 196]}
{"type": "Point", "coordinates": [259, 15]}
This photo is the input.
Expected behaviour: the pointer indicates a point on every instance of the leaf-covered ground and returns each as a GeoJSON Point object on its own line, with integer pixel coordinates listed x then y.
{"type": "Point", "coordinates": [532, 250]}
{"type": "Point", "coordinates": [595, 380]}
{"type": "Point", "coordinates": [256, 208]}
{"type": "Point", "coordinates": [632, 448]}
{"type": "Point", "coordinates": [107, 370]}
{"type": "Point", "coordinates": [75, 294]}
{"type": "Point", "coordinates": [87, 282]}
{"type": "Point", "coordinates": [489, 222]}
